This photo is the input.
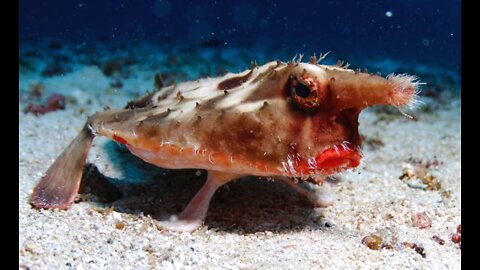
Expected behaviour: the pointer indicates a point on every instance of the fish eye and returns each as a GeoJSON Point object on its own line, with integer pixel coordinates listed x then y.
{"type": "Point", "coordinates": [305, 96]}
{"type": "Point", "coordinates": [307, 87]}
{"type": "Point", "coordinates": [301, 90]}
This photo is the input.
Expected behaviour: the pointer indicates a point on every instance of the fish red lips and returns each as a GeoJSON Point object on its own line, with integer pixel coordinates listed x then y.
{"type": "Point", "coordinates": [331, 160]}
{"type": "Point", "coordinates": [342, 156]}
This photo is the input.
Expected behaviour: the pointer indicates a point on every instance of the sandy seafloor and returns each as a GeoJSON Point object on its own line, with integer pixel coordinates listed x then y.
{"type": "Point", "coordinates": [252, 223]}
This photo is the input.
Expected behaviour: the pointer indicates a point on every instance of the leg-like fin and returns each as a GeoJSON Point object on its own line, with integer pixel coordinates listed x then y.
{"type": "Point", "coordinates": [194, 214]}
{"type": "Point", "coordinates": [317, 197]}
{"type": "Point", "coordinates": [59, 186]}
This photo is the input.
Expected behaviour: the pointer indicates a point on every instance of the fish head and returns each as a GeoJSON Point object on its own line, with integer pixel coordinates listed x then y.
{"type": "Point", "coordinates": [325, 103]}
{"type": "Point", "coordinates": [317, 109]}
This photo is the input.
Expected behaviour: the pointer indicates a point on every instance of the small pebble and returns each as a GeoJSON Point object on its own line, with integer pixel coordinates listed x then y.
{"type": "Point", "coordinates": [372, 241]}
{"type": "Point", "coordinates": [120, 225]}
{"type": "Point", "coordinates": [438, 240]}
{"type": "Point", "coordinates": [419, 249]}
{"type": "Point", "coordinates": [421, 220]}
{"type": "Point", "coordinates": [456, 238]}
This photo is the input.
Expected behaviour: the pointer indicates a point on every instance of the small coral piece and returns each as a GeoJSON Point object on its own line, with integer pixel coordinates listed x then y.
{"type": "Point", "coordinates": [55, 102]}
{"type": "Point", "coordinates": [415, 171]}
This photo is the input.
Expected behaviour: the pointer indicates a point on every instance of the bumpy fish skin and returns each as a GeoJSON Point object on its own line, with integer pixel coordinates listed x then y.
{"type": "Point", "coordinates": [250, 123]}
{"type": "Point", "coordinates": [279, 120]}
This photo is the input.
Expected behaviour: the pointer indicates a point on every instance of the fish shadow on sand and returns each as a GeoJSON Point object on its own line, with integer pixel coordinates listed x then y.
{"type": "Point", "coordinates": [247, 205]}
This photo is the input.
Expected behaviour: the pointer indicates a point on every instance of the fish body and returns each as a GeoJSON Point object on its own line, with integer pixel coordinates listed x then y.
{"type": "Point", "coordinates": [280, 120]}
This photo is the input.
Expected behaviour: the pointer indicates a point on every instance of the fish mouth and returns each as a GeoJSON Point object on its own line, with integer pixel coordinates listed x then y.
{"type": "Point", "coordinates": [331, 160]}
{"type": "Point", "coordinates": [335, 156]}
{"type": "Point", "coordinates": [338, 157]}
{"type": "Point", "coordinates": [344, 155]}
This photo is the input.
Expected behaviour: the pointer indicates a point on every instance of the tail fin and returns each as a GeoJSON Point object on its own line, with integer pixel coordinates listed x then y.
{"type": "Point", "coordinates": [59, 186]}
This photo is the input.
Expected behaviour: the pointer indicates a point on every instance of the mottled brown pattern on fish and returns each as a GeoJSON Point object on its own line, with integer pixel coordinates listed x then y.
{"type": "Point", "coordinates": [234, 82]}
{"type": "Point", "coordinates": [239, 135]}
{"type": "Point", "coordinates": [245, 136]}
{"type": "Point", "coordinates": [147, 130]}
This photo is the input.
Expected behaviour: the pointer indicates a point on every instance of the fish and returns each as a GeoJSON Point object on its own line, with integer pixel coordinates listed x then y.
{"type": "Point", "coordinates": [289, 121]}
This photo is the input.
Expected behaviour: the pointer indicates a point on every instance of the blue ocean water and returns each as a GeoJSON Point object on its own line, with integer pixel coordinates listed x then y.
{"type": "Point", "coordinates": [423, 32]}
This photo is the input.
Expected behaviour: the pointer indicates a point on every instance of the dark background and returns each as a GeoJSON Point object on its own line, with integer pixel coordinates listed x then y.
{"type": "Point", "coordinates": [426, 32]}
